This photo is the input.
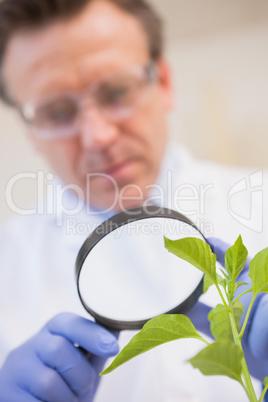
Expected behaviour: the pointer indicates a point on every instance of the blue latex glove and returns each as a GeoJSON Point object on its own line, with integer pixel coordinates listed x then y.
{"type": "Point", "coordinates": [49, 367]}
{"type": "Point", "coordinates": [255, 339]}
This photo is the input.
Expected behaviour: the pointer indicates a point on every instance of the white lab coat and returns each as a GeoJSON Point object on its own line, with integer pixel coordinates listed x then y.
{"type": "Point", "coordinates": [37, 278]}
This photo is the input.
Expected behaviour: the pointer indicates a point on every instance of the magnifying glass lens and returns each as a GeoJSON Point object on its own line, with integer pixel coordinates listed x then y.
{"type": "Point", "coordinates": [126, 276]}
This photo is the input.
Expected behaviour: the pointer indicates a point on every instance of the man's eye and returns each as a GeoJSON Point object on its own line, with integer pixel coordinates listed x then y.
{"type": "Point", "coordinates": [109, 96]}
{"type": "Point", "coordinates": [59, 112]}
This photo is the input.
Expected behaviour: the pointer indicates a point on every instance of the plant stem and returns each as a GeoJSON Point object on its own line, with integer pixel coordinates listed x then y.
{"type": "Point", "coordinates": [263, 393]}
{"type": "Point", "coordinates": [244, 369]}
{"type": "Point", "coordinates": [247, 316]}
{"type": "Point", "coordinates": [248, 382]}
{"type": "Point", "coordinates": [222, 298]}
{"type": "Point", "coordinates": [238, 297]}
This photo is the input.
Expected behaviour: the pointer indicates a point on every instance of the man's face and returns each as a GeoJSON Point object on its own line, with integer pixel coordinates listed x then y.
{"type": "Point", "coordinates": [124, 156]}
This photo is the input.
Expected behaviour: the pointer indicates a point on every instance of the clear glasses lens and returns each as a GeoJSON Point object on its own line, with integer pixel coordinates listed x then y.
{"type": "Point", "coordinates": [117, 97]}
{"type": "Point", "coordinates": [56, 113]}
{"type": "Point", "coordinates": [120, 94]}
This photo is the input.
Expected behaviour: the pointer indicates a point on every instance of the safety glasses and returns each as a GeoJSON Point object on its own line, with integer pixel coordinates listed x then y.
{"type": "Point", "coordinates": [117, 96]}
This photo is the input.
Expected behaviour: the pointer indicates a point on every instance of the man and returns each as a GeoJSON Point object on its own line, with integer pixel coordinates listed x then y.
{"type": "Point", "coordinates": [89, 79]}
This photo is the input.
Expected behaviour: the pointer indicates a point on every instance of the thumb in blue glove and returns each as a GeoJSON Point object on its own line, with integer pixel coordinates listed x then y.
{"type": "Point", "coordinates": [50, 366]}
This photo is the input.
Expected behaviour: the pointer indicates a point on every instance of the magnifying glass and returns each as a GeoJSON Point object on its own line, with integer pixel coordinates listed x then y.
{"type": "Point", "coordinates": [124, 274]}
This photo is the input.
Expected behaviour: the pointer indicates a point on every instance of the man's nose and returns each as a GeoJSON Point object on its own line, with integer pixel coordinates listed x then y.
{"type": "Point", "coordinates": [95, 130]}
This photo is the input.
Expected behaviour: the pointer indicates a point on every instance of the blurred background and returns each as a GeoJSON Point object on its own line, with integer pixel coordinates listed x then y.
{"type": "Point", "coordinates": [218, 52]}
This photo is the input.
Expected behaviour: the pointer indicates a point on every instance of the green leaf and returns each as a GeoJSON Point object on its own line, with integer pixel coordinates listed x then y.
{"type": "Point", "coordinates": [220, 325]}
{"type": "Point", "coordinates": [221, 281]}
{"type": "Point", "coordinates": [207, 283]}
{"type": "Point", "coordinates": [157, 331]}
{"type": "Point", "coordinates": [265, 381]}
{"type": "Point", "coordinates": [235, 259]}
{"type": "Point", "coordinates": [240, 283]}
{"type": "Point", "coordinates": [258, 272]}
{"type": "Point", "coordinates": [224, 274]}
{"type": "Point", "coordinates": [196, 252]}
{"type": "Point", "coordinates": [238, 312]}
{"type": "Point", "coordinates": [230, 285]}
{"type": "Point", "coordinates": [219, 358]}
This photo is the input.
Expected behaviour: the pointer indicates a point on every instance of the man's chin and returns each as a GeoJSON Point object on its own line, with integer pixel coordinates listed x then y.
{"type": "Point", "coordinates": [117, 201]}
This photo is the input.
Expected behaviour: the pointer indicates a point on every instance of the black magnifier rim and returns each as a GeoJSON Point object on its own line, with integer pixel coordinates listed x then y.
{"type": "Point", "coordinates": [109, 226]}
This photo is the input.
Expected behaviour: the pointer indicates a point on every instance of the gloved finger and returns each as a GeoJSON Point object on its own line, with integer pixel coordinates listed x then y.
{"type": "Point", "coordinates": [258, 333]}
{"type": "Point", "coordinates": [98, 364]}
{"type": "Point", "coordinates": [219, 248]}
{"type": "Point", "coordinates": [69, 361]}
{"type": "Point", "coordinates": [199, 317]}
{"type": "Point", "coordinates": [9, 394]}
{"type": "Point", "coordinates": [97, 361]}
{"type": "Point", "coordinates": [85, 333]}
{"type": "Point", "coordinates": [38, 380]}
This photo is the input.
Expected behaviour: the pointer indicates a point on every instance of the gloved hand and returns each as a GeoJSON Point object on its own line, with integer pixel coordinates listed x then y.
{"type": "Point", "coordinates": [50, 366]}
{"type": "Point", "coordinates": [255, 339]}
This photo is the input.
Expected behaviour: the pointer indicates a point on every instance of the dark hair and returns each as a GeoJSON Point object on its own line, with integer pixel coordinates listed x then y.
{"type": "Point", "coordinates": [17, 15]}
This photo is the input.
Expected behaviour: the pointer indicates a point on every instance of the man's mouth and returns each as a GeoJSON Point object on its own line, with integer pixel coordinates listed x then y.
{"type": "Point", "coordinates": [122, 171]}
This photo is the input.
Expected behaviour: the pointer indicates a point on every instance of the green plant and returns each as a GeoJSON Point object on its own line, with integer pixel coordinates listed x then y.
{"type": "Point", "coordinates": [225, 355]}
